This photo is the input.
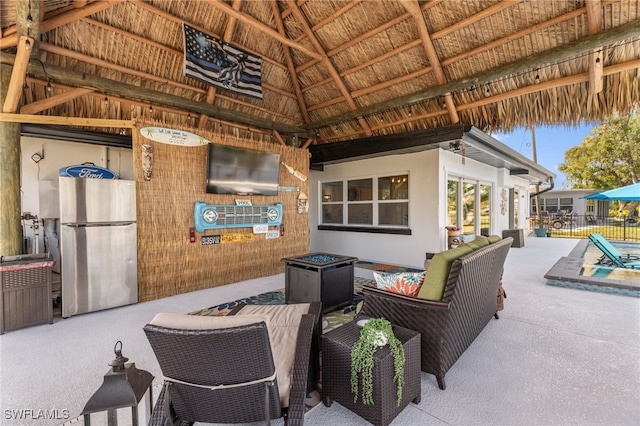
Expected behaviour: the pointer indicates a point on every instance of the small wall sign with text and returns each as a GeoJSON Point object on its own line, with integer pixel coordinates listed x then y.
{"type": "Point", "coordinates": [210, 239]}
{"type": "Point", "coordinates": [87, 171]}
{"type": "Point", "coordinates": [261, 228]}
{"type": "Point", "coordinates": [236, 238]}
{"type": "Point", "coordinates": [172, 136]}
{"type": "Point", "coordinates": [243, 202]}
{"type": "Point", "coordinates": [272, 235]}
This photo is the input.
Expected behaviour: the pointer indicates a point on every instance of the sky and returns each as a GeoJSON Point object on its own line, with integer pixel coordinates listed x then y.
{"type": "Point", "coordinates": [551, 144]}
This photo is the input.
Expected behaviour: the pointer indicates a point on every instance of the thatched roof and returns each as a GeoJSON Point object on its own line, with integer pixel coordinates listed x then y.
{"type": "Point", "coordinates": [332, 70]}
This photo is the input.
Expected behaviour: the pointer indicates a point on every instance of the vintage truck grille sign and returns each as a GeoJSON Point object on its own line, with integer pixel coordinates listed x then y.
{"type": "Point", "coordinates": [229, 216]}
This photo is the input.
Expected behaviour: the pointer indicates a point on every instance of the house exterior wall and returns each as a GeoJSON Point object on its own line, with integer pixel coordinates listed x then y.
{"type": "Point", "coordinates": [428, 172]}
{"type": "Point", "coordinates": [58, 154]}
{"type": "Point", "coordinates": [579, 204]}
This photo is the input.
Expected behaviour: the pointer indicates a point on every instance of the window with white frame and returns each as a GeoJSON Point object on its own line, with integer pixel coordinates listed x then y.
{"type": "Point", "coordinates": [380, 201]}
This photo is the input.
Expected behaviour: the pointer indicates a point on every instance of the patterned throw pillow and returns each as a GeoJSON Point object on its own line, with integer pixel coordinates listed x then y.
{"type": "Point", "coordinates": [406, 283]}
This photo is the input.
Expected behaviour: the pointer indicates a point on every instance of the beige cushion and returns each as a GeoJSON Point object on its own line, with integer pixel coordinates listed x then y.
{"type": "Point", "coordinates": [198, 322]}
{"type": "Point", "coordinates": [284, 322]}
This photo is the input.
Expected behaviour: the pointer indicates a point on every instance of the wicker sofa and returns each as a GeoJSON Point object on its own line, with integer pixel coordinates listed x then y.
{"type": "Point", "coordinates": [448, 326]}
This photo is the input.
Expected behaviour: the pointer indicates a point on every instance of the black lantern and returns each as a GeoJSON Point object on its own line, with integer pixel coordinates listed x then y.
{"type": "Point", "coordinates": [123, 386]}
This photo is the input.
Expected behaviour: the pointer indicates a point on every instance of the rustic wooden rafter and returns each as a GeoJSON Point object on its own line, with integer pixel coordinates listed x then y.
{"type": "Point", "coordinates": [52, 101]}
{"type": "Point", "coordinates": [432, 56]}
{"type": "Point", "coordinates": [263, 28]}
{"type": "Point", "coordinates": [531, 62]}
{"type": "Point", "coordinates": [438, 34]}
{"type": "Point", "coordinates": [594, 22]}
{"type": "Point", "coordinates": [104, 85]}
{"type": "Point", "coordinates": [62, 19]}
{"type": "Point", "coordinates": [534, 88]}
{"type": "Point", "coordinates": [327, 63]}
{"type": "Point", "coordinates": [290, 64]}
{"type": "Point", "coordinates": [108, 65]}
{"type": "Point", "coordinates": [18, 75]}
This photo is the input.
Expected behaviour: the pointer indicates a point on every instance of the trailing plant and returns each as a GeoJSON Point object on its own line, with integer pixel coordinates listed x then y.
{"type": "Point", "coordinates": [375, 334]}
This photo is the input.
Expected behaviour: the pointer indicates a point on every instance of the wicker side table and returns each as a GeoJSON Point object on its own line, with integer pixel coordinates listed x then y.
{"type": "Point", "coordinates": [336, 374]}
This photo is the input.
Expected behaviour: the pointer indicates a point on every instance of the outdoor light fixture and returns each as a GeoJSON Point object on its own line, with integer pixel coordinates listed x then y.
{"type": "Point", "coordinates": [124, 386]}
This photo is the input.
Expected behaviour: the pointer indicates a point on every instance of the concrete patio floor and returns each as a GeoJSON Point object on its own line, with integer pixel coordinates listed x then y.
{"type": "Point", "coordinates": [556, 356]}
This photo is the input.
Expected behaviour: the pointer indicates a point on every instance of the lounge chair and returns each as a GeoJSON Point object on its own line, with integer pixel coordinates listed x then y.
{"type": "Point", "coordinates": [611, 256]}
{"type": "Point", "coordinates": [233, 369]}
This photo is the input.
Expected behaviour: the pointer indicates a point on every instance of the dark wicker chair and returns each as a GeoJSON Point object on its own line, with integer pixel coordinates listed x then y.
{"type": "Point", "coordinates": [219, 374]}
{"type": "Point", "coordinates": [447, 327]}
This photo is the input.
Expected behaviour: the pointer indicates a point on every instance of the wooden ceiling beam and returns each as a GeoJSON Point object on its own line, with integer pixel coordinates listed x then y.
{"type": "Point", "coordinates": [448, 61]}
{"type": "Point", "coordinates": [432, 56]}
{"type": "Point", "coordinates": [104, 85]}
{"type": "Point", "coordinates": [52, 101]}
{"type": "Point", "coordinates": [46, 47]}
{"type": "Point", "coordinates": [66, 121]}
{"type": "Point", "coordinates": [164, 49]}
{"type": "Point", "coordinates": [534, 88]}
{"type": "Point", "coordinates": [578, 47]}
{"type": "Point", "coordinates": [327, 62]}
{"type": "Point", "coordinates": [63, 19]}
{"type": "Point", "coordinates": [211, 95]}
{"type": "Point", "coordinates": [369, 33]}
{"type": "Point", "coordinates": [491, 10]}
{"type": "Point", "coordinates": [249, 20]}
{"type": "Point", "coordinates": [231, 24]}
{"type": "Point", "coordinates": [549, 85]}
{"type": "Point", "coordinates": [152, 9]}
{"type": "Point", "coordinates": [278, 137]}
{"type": "Point", "coordinates": [93, 61]}
{"type": "Point", "coordinates": [594, 22]}
{"type": "Point", "coordinates": [18, 75]}
{"type": "Point", "coordinates": [290, 65]}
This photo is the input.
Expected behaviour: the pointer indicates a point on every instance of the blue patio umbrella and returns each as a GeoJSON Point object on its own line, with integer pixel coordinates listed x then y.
{"type": "Point", "coordinates": [624, 193]}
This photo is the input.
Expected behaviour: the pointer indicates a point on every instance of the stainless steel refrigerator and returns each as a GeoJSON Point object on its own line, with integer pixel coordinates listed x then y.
{"type": "Point", "coordinates": [98, 244]}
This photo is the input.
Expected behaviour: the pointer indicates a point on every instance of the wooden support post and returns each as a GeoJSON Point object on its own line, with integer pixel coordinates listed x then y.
{"type": "Point", "coordinates": [10, 207]}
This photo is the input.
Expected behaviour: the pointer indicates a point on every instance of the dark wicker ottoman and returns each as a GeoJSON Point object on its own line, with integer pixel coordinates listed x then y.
{"type": "Point", "coordinates": [336, 374]}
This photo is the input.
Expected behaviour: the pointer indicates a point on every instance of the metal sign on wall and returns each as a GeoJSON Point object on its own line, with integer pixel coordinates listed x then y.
{"type": "Point", "coordinates": [228, 216]}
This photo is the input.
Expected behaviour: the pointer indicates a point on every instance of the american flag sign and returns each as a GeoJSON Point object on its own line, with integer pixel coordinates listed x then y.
{"type": "Point", "coordinates": [219, 64]}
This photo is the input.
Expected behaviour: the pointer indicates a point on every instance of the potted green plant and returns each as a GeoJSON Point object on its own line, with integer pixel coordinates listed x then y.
{"type": "Point", "coordinates": [540, 227]}
{"type": "Point", "coordinates": [375, 334]}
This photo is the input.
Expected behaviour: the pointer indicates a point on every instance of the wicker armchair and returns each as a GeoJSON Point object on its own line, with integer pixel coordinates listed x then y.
{"type": "Point", "coordinates": [449, 326]}
{"type": "Point", "coordinates": [227, 370]}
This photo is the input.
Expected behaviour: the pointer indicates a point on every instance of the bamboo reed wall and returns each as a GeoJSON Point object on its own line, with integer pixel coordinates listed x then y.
{"type": "Point", "coordinates": [168, 263]}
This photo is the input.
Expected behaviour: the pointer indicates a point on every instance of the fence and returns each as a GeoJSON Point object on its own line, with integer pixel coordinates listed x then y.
{"type": "Point", "coordinates": [580, 226]}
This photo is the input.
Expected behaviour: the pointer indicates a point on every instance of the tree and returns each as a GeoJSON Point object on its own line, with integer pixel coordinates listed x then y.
{"type": "Point", "coordinates": [608, 158]}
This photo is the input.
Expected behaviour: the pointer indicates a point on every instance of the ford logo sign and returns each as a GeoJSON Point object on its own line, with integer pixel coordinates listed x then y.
{"type": "Point", "coordinates": [87, 171]}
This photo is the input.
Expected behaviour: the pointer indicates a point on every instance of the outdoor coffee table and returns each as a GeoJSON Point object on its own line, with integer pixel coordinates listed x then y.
{"type": "Point", "coordinates": [336, 374]}
{"type": "Point", "coordinates": [319, 277]}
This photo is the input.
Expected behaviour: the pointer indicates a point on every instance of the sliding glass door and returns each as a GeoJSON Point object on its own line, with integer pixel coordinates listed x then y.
{"type": "Point", "coordinates": [469, 205]}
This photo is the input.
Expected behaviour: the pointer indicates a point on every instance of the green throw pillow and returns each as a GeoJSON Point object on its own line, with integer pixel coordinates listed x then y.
{"type": "Point", "coordinates": [494, 238]}
{"type": "Point", "coordinates": [478, 242]}
{"type": "Point", "coordinates": [437, 274]}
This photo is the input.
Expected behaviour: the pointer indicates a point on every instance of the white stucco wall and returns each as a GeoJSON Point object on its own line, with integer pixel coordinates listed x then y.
{"type": "Point", "coordinates": [428, 171]}
{"type": "Point", "coordinates": [58, 154]}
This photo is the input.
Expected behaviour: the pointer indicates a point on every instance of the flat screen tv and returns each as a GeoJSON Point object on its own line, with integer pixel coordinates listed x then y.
{"type": "Point", "coordinates": [242, 171]}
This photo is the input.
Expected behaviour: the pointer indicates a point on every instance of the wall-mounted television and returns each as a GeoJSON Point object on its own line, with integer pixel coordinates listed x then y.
{"type": "Point", "coordinates": [242, 171]}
